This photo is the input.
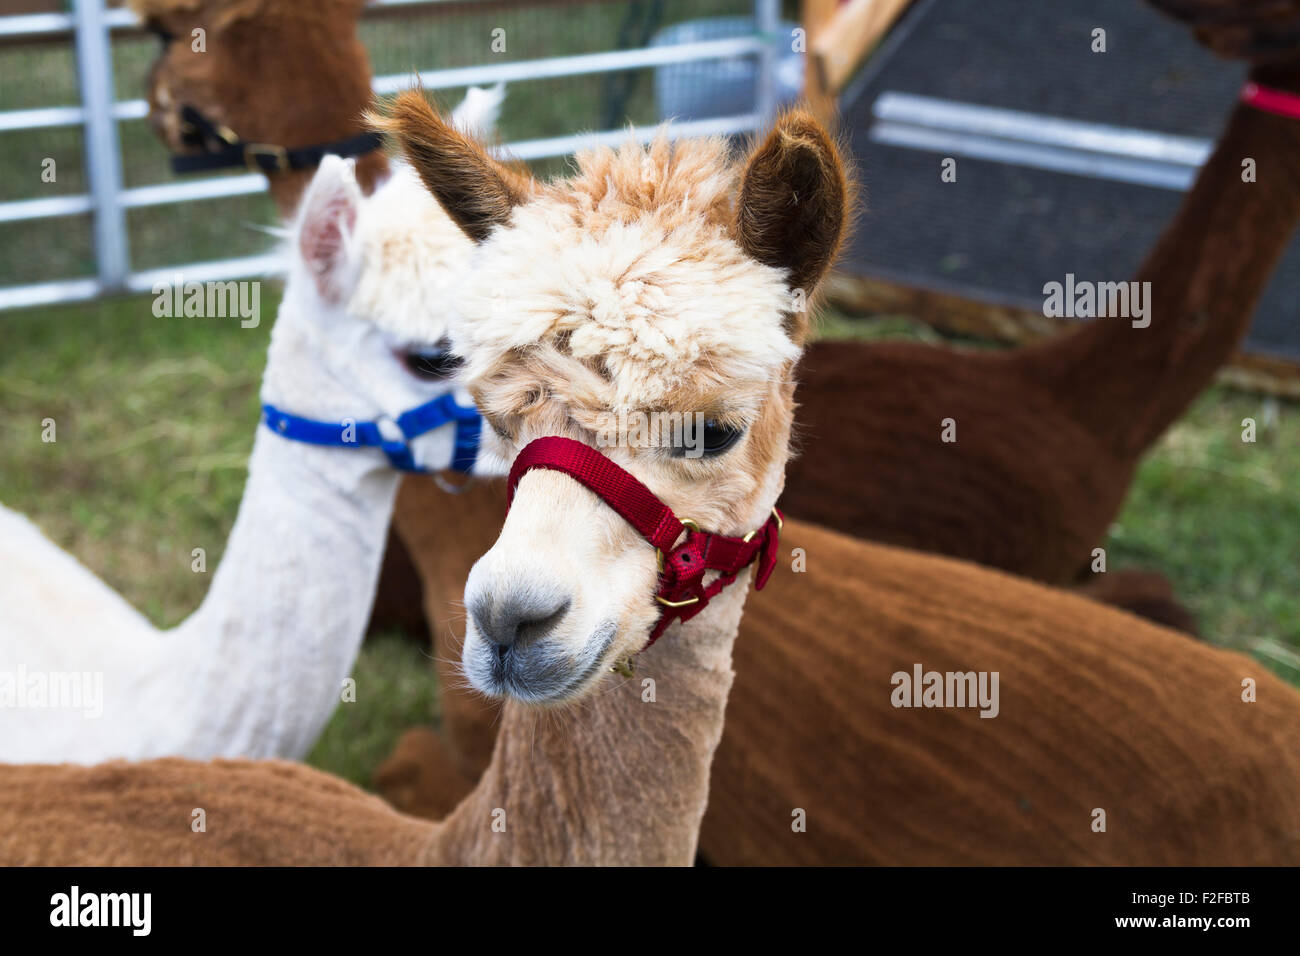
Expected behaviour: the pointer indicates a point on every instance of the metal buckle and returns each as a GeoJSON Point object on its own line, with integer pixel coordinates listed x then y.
{"type": "Point", "coordinates": [253, 150]}
{"type": "Point", "coordinates": [690, 525]}
{"type": "Point", "coordinates": [779, 525]}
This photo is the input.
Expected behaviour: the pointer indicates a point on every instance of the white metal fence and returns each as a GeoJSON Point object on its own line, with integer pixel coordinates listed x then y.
{"type": "Point", "coordinates": [90, 25]}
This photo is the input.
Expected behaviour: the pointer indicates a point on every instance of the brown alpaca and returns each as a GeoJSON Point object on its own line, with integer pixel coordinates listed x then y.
{"type": "Point", "coordinates": [624, 778]}
{"type": "Point", "coordinates": [1098, 710]}
{"type": "Point", "coordinates": [280, 72]}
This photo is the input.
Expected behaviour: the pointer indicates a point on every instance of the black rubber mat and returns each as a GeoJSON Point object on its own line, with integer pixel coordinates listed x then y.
{"type": "Point", "coordinates": [1002, 231]}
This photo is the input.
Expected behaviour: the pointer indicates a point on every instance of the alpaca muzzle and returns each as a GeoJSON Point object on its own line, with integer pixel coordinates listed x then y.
{"type": "Point", "coordinates": [681, 591]}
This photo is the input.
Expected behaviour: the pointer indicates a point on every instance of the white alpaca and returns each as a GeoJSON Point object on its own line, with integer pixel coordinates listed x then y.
{"type": "Point", "coordinates": [257, 670]}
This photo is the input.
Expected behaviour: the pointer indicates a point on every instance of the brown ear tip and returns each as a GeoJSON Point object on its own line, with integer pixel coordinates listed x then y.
{"type": "Point", "coordinates": [413, 104]}
{"type": "Point", "coordinates": [408, 116]}
{"type": "Point", "coordinates": [799, 117]}
{"type": "Point", "coordinates": [799, 126]}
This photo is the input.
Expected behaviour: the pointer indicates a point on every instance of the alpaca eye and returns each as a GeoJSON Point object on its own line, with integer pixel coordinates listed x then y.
{"type": "Point", "coordinates": [717, 438]}
{"type": "Point", "coordinates": [434, 364]}
{"type": "Point", "coordinates": [708, 440]}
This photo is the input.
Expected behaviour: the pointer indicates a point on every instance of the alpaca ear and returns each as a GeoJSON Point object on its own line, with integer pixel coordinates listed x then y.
{"type": "Point", "coordinates": [476, 191]}
{"type": "Point", "coordinates": [327, 219]}
{"type": "Point", "coordinates": [794, 201]}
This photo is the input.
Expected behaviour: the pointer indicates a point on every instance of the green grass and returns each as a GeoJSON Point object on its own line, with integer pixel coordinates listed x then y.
{"type": "Point", "coordinates": [1222, 518]}
{"type": "Point", "coordinates": [154, 422]}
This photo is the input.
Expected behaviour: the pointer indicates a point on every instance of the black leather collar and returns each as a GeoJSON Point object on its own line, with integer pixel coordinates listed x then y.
{"type": "Point", "coordinates": [225, 149]}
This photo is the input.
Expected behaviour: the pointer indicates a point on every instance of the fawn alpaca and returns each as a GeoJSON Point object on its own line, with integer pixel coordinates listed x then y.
{"type": "Point", "coordinates": [668, 265]}
{"type": "Point", "coordinates": [257, 669]}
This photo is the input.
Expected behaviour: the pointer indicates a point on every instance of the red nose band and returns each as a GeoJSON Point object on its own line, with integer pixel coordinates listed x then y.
{"type": "Point", "coordinates": [682, 592]}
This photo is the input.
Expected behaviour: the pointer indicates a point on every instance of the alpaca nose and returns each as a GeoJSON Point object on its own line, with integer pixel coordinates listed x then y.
{"type": "Point", "coordinates": [514, 619]}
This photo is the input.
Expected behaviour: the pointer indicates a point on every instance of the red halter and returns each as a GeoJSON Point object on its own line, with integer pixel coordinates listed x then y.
{"type": "Point", "coordinates": [1271, 100]}
{"type": "Point", "coordinates": [681, 591]}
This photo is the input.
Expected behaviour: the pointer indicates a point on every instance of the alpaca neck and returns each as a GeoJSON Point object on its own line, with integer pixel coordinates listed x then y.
{"type": "Point", "coordinates": [1207, 273]}
{"type": "Point", "coordinates": [620, 779]}
{"type": "Point", "coordinates": [281, 625]}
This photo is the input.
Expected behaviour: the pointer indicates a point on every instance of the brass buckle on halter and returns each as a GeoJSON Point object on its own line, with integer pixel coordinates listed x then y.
{"type": "Point", "coordinates": [690, 525]}
{"type": "Point", "coordinates": [779, 526]}
{"type": "Point", "coordinates": [254, 150]}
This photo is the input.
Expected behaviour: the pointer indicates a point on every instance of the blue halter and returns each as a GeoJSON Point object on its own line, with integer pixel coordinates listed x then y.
{"type": "Point", "coordinates": [411, 424]}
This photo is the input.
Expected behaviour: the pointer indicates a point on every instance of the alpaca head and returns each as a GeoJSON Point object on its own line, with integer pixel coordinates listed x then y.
{"type": "Point", "coordinates": [653, 286]}
{"type": "Point", "coordinates": [361, 333]}
{"type": "Point", "coordinates": [281, 72]}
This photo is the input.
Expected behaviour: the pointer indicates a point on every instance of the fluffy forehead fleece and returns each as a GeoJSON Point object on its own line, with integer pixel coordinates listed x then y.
{"type": "Point", "coordinates": [629, 268]}
{"type": "Point", "coordinates": [407, 253]}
